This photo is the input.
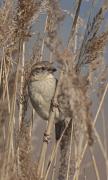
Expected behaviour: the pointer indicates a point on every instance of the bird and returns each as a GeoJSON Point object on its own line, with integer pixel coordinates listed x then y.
{"type": "Point", "coordinates": [41, 89]}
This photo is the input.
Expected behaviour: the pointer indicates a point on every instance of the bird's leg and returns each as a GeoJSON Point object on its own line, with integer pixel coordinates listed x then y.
{"type": "Point", "coordinates": [54, 103]}
{"type": "Point", "coordinates": [46, 138]}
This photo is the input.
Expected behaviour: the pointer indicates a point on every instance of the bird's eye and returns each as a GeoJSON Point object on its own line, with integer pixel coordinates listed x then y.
{"type": "Point", "coordinates": [43, 68]}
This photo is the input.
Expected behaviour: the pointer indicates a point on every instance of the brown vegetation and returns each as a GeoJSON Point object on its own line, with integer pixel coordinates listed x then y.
{"type": "Point", "coordinates": [81, 71]}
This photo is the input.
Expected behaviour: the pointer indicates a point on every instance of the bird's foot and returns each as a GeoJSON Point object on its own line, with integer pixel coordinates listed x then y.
{"type": "Point", "coordinates": [46, 138]}
{"type": "Point", "coordinates": [54, 104]}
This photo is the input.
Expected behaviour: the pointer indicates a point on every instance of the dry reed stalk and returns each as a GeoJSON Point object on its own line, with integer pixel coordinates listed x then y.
{"type": "Point", "coordinates": [70, 153]}
{"type": "Point", "coordinates": [73, 28]}
{"type": "Point", "coordinates": [95, 165]}
{"type": "Point", "coordinates": [51, 27]}
{"type": "Point", "coordinates": [66, 140]}
{"type": "Point", "coordinates": [8, 156]}
{"type": "Point", "coordinates": [101, 145]}
{"type": "Point", "coordinates": [94, 122]}
{"type": "Point", "coordinates": [105, 138]}
{"type": "Point", "coordinates": [6, 23]}
{"type": "Point", "coordinates": [40, 171]}
{"type": "Point", "coordinates": [22, 84]}
{"type": "Point", "coordinates": [43, 41]}
{"type": "Point", "coordinates": [91, 57]}
{"type": "Point", "coordinates": [6, 88]}
{"type": "Point", "coordinates": [10, 35]}
{"type": "Point", "coordinates": [100, 104]}
{"type": "Point", "coordinates": [7, 128]}
{"type": "Point", "coordinates": [54, 167]}
{"type": "Point", "coordinates": [54, 152]}
{"type": "Point", "coordinates": [24, 151]}
{"type": "Point", "coordinates": [25, 12]}
{"type": "Point", "coordinates": [1, 69]}
{"type": "Point", "coordinates": [21, 105]}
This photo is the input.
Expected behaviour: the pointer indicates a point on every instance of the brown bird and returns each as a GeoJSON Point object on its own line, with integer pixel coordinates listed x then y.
{"type": "Point", "coordinates": [41, 89]}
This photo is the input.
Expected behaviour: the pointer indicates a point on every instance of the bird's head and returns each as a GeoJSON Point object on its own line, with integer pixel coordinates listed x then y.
{"type": "Point", "coordinates": [41, 70]}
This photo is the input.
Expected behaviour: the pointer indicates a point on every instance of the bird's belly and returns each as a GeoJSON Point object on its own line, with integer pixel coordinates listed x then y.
{"type": "Point", "coordinates": [41, 94]}
{"type": "Point", "coordinates": [40, 105]}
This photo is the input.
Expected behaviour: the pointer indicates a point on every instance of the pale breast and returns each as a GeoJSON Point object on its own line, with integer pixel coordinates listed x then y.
{"type": "Point", "coordinates": [41, 94]}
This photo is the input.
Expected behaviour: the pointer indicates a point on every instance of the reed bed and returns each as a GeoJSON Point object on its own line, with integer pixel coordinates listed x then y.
{"type": "Point", "coordinates": [81, 92]}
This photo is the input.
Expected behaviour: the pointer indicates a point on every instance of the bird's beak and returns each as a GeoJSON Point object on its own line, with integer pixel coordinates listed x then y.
{"type": "Point", "coordinates": [54, 69]}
